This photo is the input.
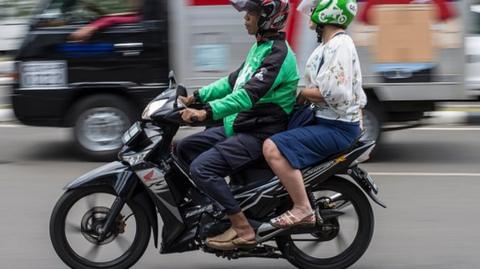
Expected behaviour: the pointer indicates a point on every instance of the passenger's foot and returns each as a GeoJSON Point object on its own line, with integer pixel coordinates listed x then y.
{"type": "Point", "coordinates": [295, 217]}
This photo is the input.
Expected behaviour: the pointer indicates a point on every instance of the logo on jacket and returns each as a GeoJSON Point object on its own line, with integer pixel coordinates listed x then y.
{"type": "Point", "coordinates": [260, 74]}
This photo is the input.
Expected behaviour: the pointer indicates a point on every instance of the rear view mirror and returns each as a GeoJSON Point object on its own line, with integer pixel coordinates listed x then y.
{"type": "Point", "coordinates": [172, 81]}
{"type": "Point", "coordinates": [181, 91]}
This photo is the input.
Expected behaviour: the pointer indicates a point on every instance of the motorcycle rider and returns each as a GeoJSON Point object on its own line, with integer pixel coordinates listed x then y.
{"type": "Point", "coordinates": [334, 85]}
{"type": "Point", "coordinates": [254, 102]}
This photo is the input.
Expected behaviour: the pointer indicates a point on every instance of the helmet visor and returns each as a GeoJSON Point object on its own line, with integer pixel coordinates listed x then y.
{"type": "Point", "coordinates": [306, 7]}
{"type": "Point", "coordinates": [245, 5]}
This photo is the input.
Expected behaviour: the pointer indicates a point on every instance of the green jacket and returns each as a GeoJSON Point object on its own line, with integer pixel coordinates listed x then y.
{"type": "Point", "coordinates": [258, 97]}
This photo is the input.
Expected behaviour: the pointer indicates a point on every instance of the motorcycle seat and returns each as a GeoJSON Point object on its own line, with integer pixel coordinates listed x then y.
{"type": "Point", "coordinates": [253, 176]}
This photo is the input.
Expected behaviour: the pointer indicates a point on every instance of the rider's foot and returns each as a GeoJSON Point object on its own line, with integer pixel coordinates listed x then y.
{"type": "Point", "coordinates": [231, 239]}
{"type": "Point", "coordinates": [246, 232]}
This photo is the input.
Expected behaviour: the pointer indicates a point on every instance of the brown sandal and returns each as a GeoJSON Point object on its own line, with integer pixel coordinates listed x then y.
{"type": "Point", "coordinates": [229, 240]}
{"type": "Point", "coordinates": [287, 220]}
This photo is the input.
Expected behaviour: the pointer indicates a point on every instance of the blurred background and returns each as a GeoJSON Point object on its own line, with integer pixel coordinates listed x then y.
{"type": "Point", "coordinates": [75, 74]}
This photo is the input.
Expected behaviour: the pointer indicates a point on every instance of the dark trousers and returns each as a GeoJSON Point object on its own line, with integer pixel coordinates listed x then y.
{"type": "Point", "coordinates": [212, 156]}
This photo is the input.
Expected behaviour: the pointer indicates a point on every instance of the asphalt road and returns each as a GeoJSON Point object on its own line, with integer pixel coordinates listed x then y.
{"type": "Point", "coordinates": [429, 178]}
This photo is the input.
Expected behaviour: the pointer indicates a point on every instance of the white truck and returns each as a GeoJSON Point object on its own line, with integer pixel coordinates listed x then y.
{"type": "Point", "coordinates": [212, 42]}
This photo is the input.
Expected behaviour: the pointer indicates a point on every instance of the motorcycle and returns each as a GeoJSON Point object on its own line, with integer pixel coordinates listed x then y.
{"type": "Point", "coordinates": [106, 217]}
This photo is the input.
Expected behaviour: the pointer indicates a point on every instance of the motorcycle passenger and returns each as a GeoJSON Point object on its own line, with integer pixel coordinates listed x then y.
{"type": "Point", "coordinates": [334, 85]}
{"type": "Point", "coordinates": [254, 102]}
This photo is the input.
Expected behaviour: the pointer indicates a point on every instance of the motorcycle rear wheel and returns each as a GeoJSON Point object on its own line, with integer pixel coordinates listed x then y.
{"type": "Point", "coordinates": [62, 246]}
{"type": "Point", "coordinates": [364, 232]}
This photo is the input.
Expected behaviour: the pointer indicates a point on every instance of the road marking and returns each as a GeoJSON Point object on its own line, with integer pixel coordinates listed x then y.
{"type": "Point", "coordinates": [422, 174]}
{"type": "Point", "coordinates": [11, 125]}
{"type": "Point", "coordinates": [447, 128]}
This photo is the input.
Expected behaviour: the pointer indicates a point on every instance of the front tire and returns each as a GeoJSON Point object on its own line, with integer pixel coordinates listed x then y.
{"type": "Point", "coordinates": [63, 247]}
{"type": "Point", "coordinates": [292, 249]}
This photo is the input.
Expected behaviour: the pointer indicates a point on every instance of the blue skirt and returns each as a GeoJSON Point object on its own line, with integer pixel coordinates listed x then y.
{"type": "Point", "coordinates": [306, 146]}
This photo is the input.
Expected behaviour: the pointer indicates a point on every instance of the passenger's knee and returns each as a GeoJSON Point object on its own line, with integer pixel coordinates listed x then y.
{"type": "Point", "coordinates": [270, 150]}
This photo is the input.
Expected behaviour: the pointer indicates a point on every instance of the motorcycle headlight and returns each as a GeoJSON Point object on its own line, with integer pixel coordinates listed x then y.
{"type": "Point", "coordinates": [152, 108]}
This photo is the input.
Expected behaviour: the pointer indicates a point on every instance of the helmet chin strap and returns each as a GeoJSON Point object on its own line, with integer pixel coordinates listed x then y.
{"type": "Point", "coordinates": [319, 29]}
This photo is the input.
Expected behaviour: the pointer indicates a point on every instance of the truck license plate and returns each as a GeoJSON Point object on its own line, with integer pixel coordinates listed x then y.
{"type": "Point", "coordinates": [43, 74]}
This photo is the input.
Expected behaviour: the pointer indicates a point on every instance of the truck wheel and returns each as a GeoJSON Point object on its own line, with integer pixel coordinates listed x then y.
{"type": "Point", "coordinates": [99, 123]}
{"type": "Point", "coordinates": [373, 118]}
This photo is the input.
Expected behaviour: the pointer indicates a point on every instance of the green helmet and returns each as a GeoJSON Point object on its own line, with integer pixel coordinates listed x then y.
{"type": "Point", "coordinates": [335, 12]}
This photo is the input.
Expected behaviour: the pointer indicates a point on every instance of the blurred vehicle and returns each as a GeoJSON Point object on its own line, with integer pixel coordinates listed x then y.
{"type": "Point", "coordinates": [99, 87]}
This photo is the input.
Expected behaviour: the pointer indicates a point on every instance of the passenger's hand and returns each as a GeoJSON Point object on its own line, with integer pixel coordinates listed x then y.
{"type": "Point", "coordinates": [83, 34]}
{"type": "Point", "coordinates": [313, 95]}
{"type": "Point", "coordinates": [189, 114]}
{"type": "Point", "coordinates": [361, 120]}
{"type": "Point", "coordinates": [301, 100]}
{"type": "Point", "coordinates": [187, 101]}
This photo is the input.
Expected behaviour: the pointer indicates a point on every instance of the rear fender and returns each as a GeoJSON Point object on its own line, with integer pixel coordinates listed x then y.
{"type": "Point", "coordinates": [117, 175]}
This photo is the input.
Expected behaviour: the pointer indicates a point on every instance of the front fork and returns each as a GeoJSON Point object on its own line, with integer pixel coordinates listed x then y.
{"type": "Point", "coordinates": [124, 189]}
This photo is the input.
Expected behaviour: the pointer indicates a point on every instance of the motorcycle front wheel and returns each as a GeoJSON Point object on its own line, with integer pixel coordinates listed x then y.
{"type": "Point", "coordinates": [75, 223]}
{"type": "Point", "coordinates": [343, 237]}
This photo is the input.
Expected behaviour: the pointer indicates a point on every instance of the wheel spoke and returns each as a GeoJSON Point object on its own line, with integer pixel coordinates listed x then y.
{"type": "Point", "coordinates": [311, 245]}
{"type": "Point", "coordinates": [91, 201]}
{"type": "Point", "coordinates": [347, 209]}
{"type": "Point", "coordinates": [123, 243]}
{"type": "Point", "coordinates": [72, 228]}
{"type": "Point", "coordinates": [341, 242]}
{"type": "Point", "coordinates": [92, 253]}
{"type": "Point", "coordinates": [343, 204]}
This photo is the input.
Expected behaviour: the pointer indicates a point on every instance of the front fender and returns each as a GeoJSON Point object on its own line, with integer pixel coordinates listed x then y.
{"type": "Point", "coordinates": [108, 174]}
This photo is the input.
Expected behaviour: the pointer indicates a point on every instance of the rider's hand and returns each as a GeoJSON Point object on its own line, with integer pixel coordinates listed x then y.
{"type": "Point", "coordinates": [187, 101]}
{"type": "Point", "coordinates": [189, 113]}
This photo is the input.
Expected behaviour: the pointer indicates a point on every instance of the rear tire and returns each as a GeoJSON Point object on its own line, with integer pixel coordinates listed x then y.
{"type": "Point", "coordinates": [360, 243]}
{"type": "Point", "coordinates": [99, 122]}
{"type": "Point", "coordinates": [373, 119]}
{"type": "Point", "coordinates": [72, 259]}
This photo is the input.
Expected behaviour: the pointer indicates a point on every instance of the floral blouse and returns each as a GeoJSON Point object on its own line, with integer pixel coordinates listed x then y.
{"type": "Point", "coordinates": [339, 79]}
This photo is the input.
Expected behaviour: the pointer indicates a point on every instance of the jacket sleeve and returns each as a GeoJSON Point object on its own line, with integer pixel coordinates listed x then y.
{"type": "Point", "coordinates": [265, 78]}
{"type": "Point", "coordinates": [219, 88]}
